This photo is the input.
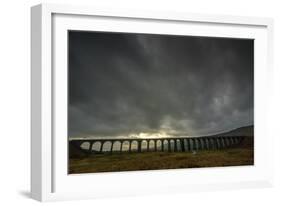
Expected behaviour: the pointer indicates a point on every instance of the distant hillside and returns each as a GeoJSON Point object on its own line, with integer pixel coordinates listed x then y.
{"type": "Point", "coordinates": [241, 131]}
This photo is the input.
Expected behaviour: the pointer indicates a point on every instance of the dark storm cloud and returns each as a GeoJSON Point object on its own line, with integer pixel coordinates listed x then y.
{"type": "Point", "coordinates": [121, 84]}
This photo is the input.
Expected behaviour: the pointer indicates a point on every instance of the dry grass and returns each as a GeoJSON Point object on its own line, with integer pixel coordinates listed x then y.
{"type": "Point", "coordinates": [161, 160]}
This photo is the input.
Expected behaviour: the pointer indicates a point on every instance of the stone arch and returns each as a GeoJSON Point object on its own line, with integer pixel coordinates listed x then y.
{"type": "Point", "coordinates": [231, 141]}
{"type": "Point", "coordinates": [190, 140]}
{"type": "Point", "coordinates": [236, 140]}
{"type": "Point", "coordinates": [222, 142]}
{"type": "Point", "coordinates": [203, 143]}
{"type": "Point", "coordinates": [106, 146]}
{"type": "Point", "coordinates": [194, 143]}
{"type": "Point", "coordinates": [188, 144]}
{"type": "Point", "coordinates": [226, 140]}
{"type": "Point", "coordinates": [116, 146]}
{"type": "Point", "coordinates": [85, 146]}
{"type": "Point", "coordinates": [211, 143]}
{"type": "Point", "coordinates": [220, 145]}
{"type": "Point", "coordinates": [96, 147]}
{"type": "Point", "coordinates": [165, 145]}
{"type": "Point", "coordinates": [134, 145]}
{"type": "Point", "coordinates": [151, 145]}
{"type": "Point", "coordinates": [144, 145]}
{"type": "Point", "coordinates": [182, 145]}
{"type": "Point", "coordinates": [172, 145]}
{"type": "Point", "coordinates": [158, 145]}
{"type": "Point", "coordinates": [177, 145]}
{"type": "Point", "coordinates": [215, 143]}
{"type": "Point", "coordinates": [208, 143]}
{"type": "Point", "coordinates": [185, 144]}
{"type": "Point", "coordinates": [199, 144]}
{"type": "Point", "coordinates": [125, 145]}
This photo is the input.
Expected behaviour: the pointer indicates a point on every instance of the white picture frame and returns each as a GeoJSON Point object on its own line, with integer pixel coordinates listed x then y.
{"type": "Point", "coordinates": [49, 179]}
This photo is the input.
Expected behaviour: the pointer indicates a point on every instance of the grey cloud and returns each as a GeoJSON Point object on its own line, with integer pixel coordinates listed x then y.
{"type": "Point", "coordinates": [130, 83]}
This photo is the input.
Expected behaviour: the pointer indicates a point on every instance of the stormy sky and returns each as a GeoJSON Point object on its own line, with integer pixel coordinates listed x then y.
{"type": "Point", "coordinates": [123, 84]}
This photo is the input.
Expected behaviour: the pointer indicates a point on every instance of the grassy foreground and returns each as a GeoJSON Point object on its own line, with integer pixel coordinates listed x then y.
{"type": "Point", "coordinates": [161, 160]}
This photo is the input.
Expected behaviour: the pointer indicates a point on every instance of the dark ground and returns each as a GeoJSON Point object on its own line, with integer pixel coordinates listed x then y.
{"type": "Point", "coordinates": [241, 155]}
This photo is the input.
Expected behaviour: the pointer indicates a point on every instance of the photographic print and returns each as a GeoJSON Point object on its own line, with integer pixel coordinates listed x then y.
{"type": "Point", "coordinates": [154, 101]}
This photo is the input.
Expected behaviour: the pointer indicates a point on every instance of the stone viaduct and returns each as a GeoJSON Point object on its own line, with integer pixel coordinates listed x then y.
{"type": "Point", "coordinates": [169, 144]}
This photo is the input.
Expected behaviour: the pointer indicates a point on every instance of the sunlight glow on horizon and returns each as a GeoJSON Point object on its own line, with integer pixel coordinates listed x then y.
{"type": "Point", "coordinates": [144, 135]}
